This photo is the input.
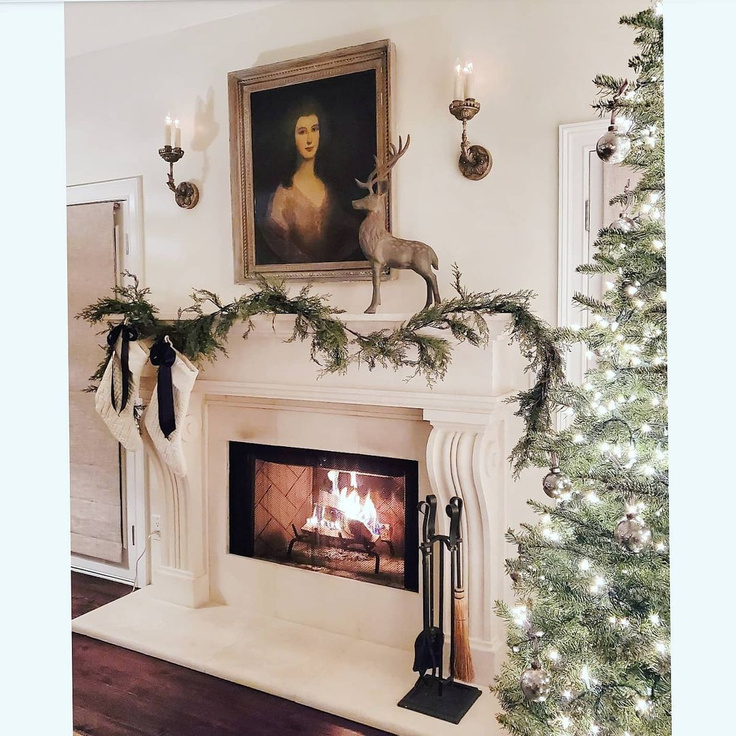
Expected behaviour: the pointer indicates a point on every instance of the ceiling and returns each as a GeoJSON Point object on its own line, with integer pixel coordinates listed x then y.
{"type": "Point", "coordinates": [91, 26]}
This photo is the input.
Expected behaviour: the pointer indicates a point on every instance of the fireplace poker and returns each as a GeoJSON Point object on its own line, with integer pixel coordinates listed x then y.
{"type": "Point", "coordinates": [453, 511]}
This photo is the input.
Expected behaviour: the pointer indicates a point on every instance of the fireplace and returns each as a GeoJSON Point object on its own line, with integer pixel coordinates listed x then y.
{"type": "Point", "coordinates": [341, 514]}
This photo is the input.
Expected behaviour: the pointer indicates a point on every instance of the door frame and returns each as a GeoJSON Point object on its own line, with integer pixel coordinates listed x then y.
{"type": "Point", "coordinates": [580, 218]}
{"type": "Point", "coordinates": [129, 236]}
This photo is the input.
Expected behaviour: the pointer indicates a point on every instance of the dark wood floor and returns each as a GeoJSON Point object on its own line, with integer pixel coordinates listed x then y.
{"type": "Point", "coordinates": [118, 692]}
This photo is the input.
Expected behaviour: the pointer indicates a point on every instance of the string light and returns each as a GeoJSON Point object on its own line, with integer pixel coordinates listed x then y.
{"type": "Point", "coordinates": [584, 565]}
{"type": "Point", "coordinates": [521, 616]}
{"type": "Point", "coordinates": [598, 584]}
{"type": "Point", "coordinates": [585, 676]}
{"type": "Point", "coordinates": [654, 618]}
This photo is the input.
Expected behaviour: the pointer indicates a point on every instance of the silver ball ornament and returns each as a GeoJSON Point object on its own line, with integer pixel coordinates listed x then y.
{"type": "Point", "coordinates": [555, 483]}
{"type": "Point", "coordinates": [613, 146]}
{"type": "Point", "coordinates": [535, 683]}
{"type": "Point", "coordinates": [624, 223]}
{"type": "Point", "coordinates": [633, 533]}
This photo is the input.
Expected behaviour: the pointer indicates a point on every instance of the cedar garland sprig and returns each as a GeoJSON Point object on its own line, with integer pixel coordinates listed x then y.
{"type": "Point", "coordinates": [201, 335]}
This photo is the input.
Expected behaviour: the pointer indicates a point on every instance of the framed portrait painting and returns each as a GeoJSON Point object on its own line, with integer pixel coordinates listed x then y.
{"type": "Point", "coordinates": [301, 133]}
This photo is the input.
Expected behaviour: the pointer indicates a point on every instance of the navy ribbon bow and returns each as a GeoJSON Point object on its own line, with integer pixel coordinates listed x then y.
{"type": "Point", "coordinates": [163, 356]}
{"type": "Point", "coordinates": [128, 333]}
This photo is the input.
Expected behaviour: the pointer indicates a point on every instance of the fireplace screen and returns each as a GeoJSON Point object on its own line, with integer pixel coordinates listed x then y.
{"type": "Point", "coordinates": [342, 514]}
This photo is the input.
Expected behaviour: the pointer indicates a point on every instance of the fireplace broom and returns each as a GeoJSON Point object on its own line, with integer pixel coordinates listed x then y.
{"type": "Point", "coordinates": [462, 664]}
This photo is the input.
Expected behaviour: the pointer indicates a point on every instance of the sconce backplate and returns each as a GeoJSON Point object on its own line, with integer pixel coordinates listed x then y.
{"type": "Point", "coordinates": [476, 163]}
{"type": "Point", "coordinates": [186, 195]}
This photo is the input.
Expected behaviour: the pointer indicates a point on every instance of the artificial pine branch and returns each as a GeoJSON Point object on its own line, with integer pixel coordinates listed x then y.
{"type": "Point", "coordinates": [593, 610]}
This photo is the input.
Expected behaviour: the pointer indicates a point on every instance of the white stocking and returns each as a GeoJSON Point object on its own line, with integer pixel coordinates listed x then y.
{"type": "Point", "coordinates": [183, 375]}
{"type": "Point", "coordinates": [122, 424]}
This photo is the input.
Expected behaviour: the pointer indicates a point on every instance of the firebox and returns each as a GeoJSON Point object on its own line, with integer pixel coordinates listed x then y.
{"type": "Point", "coordinates": [337, 513]}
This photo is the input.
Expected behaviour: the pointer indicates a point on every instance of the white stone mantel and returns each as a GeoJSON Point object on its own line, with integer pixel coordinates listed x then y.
{"type": "Point", "coordinates": [466, 419]}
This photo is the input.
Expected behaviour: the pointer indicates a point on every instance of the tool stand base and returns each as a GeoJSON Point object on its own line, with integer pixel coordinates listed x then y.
{"type": "Point", "coordinates": [454, 702]}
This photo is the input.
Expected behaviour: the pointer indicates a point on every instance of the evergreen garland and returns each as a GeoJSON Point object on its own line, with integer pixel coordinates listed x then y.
{"type": "Point", "coordinates": [200, 332]}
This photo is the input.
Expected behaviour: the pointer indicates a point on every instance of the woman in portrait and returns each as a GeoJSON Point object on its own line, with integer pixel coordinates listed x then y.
{"type": "Point", "coordinates": [304, 221]}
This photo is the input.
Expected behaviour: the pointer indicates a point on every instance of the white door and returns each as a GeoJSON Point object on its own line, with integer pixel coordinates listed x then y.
{"type": "Point", "coordinates": [108, 489]}
{"type": "Point", "coordinates": [586, 187]}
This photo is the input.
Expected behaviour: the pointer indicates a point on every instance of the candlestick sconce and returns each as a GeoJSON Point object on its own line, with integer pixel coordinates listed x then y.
{"type": "Point", "coordinates": [475, 161]}
{"type": "Point", "coordinates": [186, 194]}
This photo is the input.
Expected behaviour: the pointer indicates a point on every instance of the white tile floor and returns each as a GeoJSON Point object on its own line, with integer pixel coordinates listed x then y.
{"type": "Point", "coordinates": [349, 678]}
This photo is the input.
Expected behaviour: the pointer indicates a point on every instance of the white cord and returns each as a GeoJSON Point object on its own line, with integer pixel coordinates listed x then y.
{"type": "Point", "coordinates": [157, 533]}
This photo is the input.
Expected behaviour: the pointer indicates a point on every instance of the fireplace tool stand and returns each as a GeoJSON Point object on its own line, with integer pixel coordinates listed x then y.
{"type": "Point", "coordinates": [434, 694]}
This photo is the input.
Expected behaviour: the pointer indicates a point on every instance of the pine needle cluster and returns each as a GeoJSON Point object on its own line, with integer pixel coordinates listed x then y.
{"type": "Point", "coordinates": [592, 612]}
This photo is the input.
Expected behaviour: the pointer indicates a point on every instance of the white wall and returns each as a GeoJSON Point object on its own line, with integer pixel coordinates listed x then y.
{"type": "Point", "coordinates": [534, 63]}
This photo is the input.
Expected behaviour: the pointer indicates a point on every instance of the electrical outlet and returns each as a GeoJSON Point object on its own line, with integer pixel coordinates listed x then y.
{"type": "Point", "coordinates": [156, 524]}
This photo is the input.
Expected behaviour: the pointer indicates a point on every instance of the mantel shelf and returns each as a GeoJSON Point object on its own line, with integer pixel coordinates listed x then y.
{"type": "Point", "coordinates": [282, 325]}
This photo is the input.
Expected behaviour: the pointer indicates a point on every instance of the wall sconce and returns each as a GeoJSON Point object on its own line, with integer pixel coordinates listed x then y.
{"type": "Point", "coordinates": [186, 194]}
{"type": "Point", "coordinates": [475, 161]}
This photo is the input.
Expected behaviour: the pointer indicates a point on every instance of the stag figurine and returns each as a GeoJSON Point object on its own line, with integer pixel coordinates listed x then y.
{"type": "Point", "coordinates": [381, 248]}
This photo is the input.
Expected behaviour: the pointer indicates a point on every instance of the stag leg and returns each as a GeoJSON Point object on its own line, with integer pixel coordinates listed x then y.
{"type": "Point", "coordinates": [433, 291]}
{"type": "Point", "coordinates": [428, 303]}
{"type": "Point", "coordinates": [376, 300]}
{"type": "Point", "coordinates": [435, 288]}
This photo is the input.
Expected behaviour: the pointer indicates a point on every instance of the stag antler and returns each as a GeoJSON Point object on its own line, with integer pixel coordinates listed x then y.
{"type": "Point", "coordinates": [380, 171]}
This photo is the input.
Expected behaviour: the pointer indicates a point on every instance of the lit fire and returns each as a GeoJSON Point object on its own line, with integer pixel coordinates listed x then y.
{"type": "Point", "coordinates": [349, 502]}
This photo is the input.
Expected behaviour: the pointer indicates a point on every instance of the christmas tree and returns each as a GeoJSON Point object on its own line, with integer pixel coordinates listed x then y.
{"type": "Point", "coordinates": [589, 636]}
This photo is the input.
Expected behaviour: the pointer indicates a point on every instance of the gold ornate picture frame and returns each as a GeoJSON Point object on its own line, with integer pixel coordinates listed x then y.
{"type": "Point", "coordinates": [301, 133]}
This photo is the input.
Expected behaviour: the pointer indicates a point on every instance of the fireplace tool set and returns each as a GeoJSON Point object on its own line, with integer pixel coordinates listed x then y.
{"type": "Point", "coordinates": [436, 694]}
